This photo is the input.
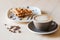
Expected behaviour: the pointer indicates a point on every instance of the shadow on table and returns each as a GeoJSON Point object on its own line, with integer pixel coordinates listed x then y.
{"type": "Point", "coordinates": [54, 35]}
{"type": "Point", "coordinates": [43, 12]}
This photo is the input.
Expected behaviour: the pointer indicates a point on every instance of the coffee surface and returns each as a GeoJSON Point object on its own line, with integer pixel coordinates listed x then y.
{"type": "Point", "coordinates": [43, 18]}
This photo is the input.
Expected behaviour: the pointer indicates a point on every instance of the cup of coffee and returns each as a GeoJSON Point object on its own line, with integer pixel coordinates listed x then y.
{"type": "Point", "coordinates": [42, 22]}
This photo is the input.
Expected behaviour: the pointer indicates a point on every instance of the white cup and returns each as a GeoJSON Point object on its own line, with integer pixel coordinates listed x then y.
{"type": "Point", "coordinates": [42, 22]}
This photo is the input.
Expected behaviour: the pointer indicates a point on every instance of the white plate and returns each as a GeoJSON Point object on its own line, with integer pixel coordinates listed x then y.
{"type": "Point", "coordinates": [35, 10]}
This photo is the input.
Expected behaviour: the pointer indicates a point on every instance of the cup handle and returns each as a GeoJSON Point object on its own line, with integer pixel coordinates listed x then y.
{"type": "Point", "coordinates": [52, 24]}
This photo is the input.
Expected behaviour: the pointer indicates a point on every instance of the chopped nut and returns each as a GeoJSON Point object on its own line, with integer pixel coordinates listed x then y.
{"type": "Point", "coordinates": [19, 31]}
{"type": "Point", "coordinates": [5, 24]}
{"type": "Point", "coordinates": [10, 16]}
{"type": "Point", "coordinates": [27, 6]}
{"type": "Point", "coordinates": [14, 29]}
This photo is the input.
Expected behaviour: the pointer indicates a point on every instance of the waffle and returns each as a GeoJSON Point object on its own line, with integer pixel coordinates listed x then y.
{"type": "Point", "coordinates": [21, 13]}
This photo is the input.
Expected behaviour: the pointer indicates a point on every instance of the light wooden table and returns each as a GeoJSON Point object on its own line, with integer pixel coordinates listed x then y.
{"type": "Point", "coordinates": [49, 6]}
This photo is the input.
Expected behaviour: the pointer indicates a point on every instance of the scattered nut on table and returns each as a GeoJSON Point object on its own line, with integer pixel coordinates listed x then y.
{"type": "Point", "coordinates": [14, 29]}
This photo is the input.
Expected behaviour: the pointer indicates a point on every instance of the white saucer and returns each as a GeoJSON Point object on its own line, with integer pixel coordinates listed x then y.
{"type": "Point", "coordinates": [35, 11]}
{"type": "Point", "coordinates": [53, 28]}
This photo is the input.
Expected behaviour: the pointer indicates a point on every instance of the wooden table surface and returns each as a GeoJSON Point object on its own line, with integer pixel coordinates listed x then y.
{"type": "Point", "coordinates": [52, 7]}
